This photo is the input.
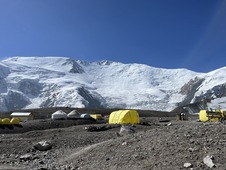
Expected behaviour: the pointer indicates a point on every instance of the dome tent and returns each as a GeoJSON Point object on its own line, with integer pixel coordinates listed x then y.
{"type": "Point", "coordinates": [15, 121]}
{"type": "Point", "coordinates": [59, 115]}
{"type": "Point", "coordinates": [74, 114]}
{"type": "Point", "coordinates": [6, 121]}
{"type": "Point", "coordinates": [96, 116]}
{"type": "Point", "coordinates": [85, 116]}
{"type": "Point", "coordinates": [124, 117]}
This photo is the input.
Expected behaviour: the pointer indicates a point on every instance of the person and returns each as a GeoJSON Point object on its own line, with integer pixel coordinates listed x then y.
{"type": "Point", "coordinates": [182, 116]}
{"type": "Point", "coordinates": [178, 117]}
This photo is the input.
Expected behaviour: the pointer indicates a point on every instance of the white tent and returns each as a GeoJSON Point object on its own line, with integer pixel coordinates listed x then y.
{"type": "Point", "coordinates": [59, 115]}
{"type": "Point", "coordinates": [73, 114]}
{"type": "Point", "coordinates": [85, 116]}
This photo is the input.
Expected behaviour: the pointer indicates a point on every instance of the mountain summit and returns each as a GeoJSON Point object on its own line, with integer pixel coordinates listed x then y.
{"type": "Point", "coordinates": [34, 82]}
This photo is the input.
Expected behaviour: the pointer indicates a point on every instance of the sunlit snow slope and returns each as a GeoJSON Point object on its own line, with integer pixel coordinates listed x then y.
{"type": "Point", "coordinates": [33, 82]}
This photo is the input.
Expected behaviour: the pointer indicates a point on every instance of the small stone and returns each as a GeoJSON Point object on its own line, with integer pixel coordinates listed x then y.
{"type": "Point", "coordinates": [169, 124]}
{"type": "Point", "coordinates": [42, 168]}
{"type": "Point", "coordinates": [191, 149]}
{"type": "Point", "coordinates": [208, 160]}
{"type": "Point", "coordinates": [26, 157]}
{"type": "Point", "coordinates": [187, 165]}
{"type": "Point", "coordinates": [124, 143]}
{"type": "Point", "coordinates": [41, 162]}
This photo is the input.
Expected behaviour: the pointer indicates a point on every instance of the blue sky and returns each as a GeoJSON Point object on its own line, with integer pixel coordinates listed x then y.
{"type": "Point", "coordinates": [161, 33]}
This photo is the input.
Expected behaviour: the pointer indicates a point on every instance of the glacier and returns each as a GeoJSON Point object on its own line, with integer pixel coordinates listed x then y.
{"type": "Point", "coordinates": [39, 82]}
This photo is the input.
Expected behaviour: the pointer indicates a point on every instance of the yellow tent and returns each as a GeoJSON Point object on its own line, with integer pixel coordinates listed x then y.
{"type": "Point", "coordinates": [15, 121]}
{"type": "Point", "coordinates": [124, 117]}
{"type": "Point", "coordinates": [212, 116]}
{"type": "Point", "coordinates": [96, 116]}
{"type": "Point", "coordinates": [6, 121]}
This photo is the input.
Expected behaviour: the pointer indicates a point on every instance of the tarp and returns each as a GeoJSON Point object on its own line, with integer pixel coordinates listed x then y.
{"type": "Point", "coordinates": [214, 115]}
{"type": "Point", "coordinates": [23, 116]}
{"type": "Point", "coordinates": [124, 117]}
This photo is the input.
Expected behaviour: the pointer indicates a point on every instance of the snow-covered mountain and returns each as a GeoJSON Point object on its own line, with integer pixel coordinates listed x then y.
{"type": "Point", "coordinates": [33, 82]}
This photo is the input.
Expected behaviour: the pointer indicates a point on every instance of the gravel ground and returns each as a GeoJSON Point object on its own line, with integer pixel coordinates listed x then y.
{"type": "Point", "coordinates": [155, 146]}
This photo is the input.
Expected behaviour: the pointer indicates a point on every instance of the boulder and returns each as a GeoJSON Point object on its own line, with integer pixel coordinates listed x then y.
{"type": "Point", "coordinates": [43, 146]}
{"type": "Point", "coordinates": [126, 129]}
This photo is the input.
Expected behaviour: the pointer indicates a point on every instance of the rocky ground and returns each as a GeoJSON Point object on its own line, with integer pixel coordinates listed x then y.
{"type": "Point", "coordinates": [155, 145]}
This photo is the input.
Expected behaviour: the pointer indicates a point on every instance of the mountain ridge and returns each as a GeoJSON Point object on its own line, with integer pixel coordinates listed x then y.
{"type": "Point", "coordinates": [33, 82]}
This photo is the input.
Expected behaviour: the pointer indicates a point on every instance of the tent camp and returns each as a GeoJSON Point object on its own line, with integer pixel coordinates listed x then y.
{"type": "Point", "coordinates": [59, 115]}
{"type": "Point", "coordinates": [74, 114]}
{"type": "Point", "coordinates": [211, 115]}
{"type": "Point", "coordinates": [124, 117]}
